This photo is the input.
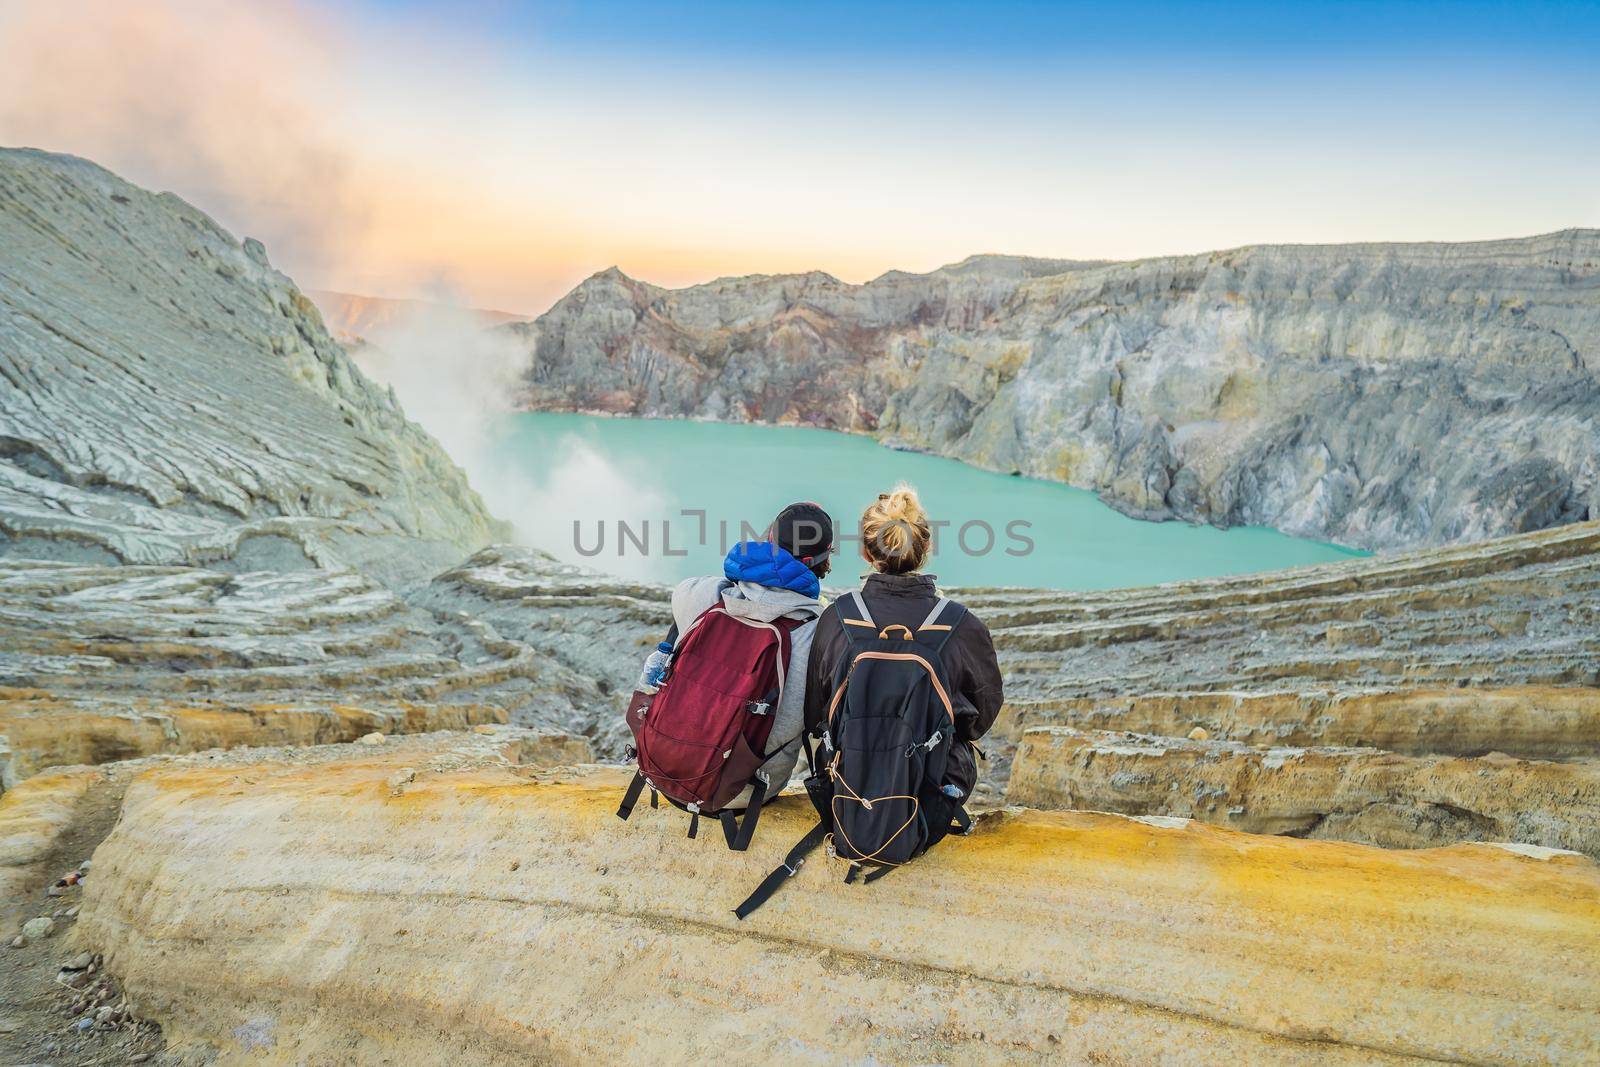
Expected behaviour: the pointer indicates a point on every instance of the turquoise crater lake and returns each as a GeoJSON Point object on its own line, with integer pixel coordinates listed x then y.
{"type": "Point", "coordinates": [594, 490]}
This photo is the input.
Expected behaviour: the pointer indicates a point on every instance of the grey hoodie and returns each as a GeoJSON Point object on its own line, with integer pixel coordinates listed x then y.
{"type": "Point", "coordinates": [762, 603]}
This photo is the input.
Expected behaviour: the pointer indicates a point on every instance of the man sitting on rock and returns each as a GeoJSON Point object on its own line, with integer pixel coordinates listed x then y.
{"type": "Point", "coordinates": [762, 582]}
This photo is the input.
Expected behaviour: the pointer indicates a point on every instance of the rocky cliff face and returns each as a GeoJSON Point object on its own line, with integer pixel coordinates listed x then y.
{"type": "Point", "coordinates": [1375, 395]}
{"type": "Point", "coordinates": [168, 397]}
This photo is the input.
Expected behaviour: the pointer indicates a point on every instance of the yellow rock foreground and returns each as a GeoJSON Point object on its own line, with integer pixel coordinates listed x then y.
{"type": "Point", "coordinates": [32, 817]}
{"type": "Point", "coordinates": [351, 913]}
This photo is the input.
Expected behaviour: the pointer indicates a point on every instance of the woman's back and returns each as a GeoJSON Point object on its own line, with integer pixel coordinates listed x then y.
{"type": "Point", "coordinates": [895, 537]}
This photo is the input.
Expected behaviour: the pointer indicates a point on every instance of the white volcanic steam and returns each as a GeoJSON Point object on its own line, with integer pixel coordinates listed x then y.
{"type": "Point", "coordinates": [458, 380]}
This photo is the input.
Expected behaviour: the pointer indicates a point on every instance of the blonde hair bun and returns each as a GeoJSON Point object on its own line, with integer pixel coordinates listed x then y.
{"type": "Point", "coordinates": [895, 533]}
{"type": "Point", "coordinates": [903, 504]}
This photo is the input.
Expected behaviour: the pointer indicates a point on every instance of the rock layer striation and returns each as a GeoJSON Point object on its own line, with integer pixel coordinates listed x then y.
{"type": "Point", "coordinates": [1349, 794]}
{"type": "Point", "coordinates": [107, 663]}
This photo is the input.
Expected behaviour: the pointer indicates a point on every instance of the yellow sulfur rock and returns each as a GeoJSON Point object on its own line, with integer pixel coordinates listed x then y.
{"type": "Point", "coordinates": [32, 817]}
{"type": "Point", "coordinates": [45, 731]}
{"type": "Point", "coordinates": [1352, 794]}
{"type": "Point", "coordinates": [1539, 722]}
{"type": "Point", "coordinates": [307, 914]}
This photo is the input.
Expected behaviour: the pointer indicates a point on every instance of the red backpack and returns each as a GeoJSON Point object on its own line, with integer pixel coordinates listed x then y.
{"type": "Point", "coordinates": [702, 736]}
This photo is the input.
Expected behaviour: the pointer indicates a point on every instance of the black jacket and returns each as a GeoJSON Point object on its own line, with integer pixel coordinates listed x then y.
{"type": "Point", "coordinates": [969, 663]}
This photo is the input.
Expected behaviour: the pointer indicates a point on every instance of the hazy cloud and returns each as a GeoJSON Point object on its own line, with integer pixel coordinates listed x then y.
{"type": "Point", "coordinates": [224, 104]}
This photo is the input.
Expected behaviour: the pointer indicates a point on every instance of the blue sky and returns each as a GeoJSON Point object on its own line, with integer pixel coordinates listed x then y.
{"type": "Point", "coordinates": [505, 151]}
{"type": "Point", "coordinates": [1384, 38]}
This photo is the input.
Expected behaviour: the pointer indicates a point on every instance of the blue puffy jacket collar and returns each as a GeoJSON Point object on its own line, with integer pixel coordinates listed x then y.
{"type": "Point", "coordinates": [765, 563]}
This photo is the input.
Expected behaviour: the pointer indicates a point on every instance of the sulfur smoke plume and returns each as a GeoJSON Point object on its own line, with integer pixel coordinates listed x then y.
{"type": "Point", "coordinates": [458, 379]}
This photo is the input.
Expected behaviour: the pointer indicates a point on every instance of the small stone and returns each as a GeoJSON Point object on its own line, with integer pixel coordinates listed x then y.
{"type": "Point", "coordinates": [79, 962]}
{"type": "Point", "coordinates": [401, 777]}
{"type": "Point", "coordinates": [53, 891]}
{"type": "Point", "coordinates": [34, 929]}
{"type": "Point", "coordinates": [85, 865]}
{"type": "Point", "coordinates": [19, 942]}
{"type": "Point", "coordinates": [1198, 734]}
{"type": "Point", "coordinates": [103, 1015]}
{"type": "Point", "coordinates": [72, 912]}
{"type": "Point", "coordinates": [374, 738]}
{"type": "Point", "coordinates": [85, 1024]}
{"type": "Point", "coordinates": [8, 1026]}
{"type": "Point", "coordinates": [139, 1057]}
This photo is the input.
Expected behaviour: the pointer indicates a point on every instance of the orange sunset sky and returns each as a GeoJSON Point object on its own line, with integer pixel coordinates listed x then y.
{"type": "Point", "coordinates": [500, 153]}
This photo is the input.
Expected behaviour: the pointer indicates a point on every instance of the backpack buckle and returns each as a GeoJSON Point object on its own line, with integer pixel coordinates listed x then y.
{"type": "Point", "coordinates": [758, 707]}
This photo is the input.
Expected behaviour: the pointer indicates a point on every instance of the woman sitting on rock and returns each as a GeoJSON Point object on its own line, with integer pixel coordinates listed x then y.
{"type": "Point", "coordinates": [895, 540]}
{"type": "Point", "coordinates": [901, 684]}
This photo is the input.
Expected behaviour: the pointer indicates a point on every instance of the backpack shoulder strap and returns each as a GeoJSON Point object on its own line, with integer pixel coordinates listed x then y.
{"type": "Point", "coordinates": [853, 606]}
{"type": "Point", "coordinates": [855, 619]}
{"type": "Point", "coordinates": [941, 622]}
{"type": "Point", "coordinates": [715, 609]}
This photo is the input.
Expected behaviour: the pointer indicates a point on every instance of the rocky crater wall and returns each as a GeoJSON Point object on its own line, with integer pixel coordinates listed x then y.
{"type": "Point", "coordinates": [1380, 396]}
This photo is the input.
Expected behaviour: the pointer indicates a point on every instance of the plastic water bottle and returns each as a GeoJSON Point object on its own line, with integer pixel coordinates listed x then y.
{"type": "Point", "coordinates": [655, 668]}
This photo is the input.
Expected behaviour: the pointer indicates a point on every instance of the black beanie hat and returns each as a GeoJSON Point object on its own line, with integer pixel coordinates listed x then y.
{"type": "Point", "coordinates": [803, 530]}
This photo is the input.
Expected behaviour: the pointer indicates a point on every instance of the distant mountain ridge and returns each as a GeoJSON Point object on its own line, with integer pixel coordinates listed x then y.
{"type": "Point", "coordinates": [1379, 395]}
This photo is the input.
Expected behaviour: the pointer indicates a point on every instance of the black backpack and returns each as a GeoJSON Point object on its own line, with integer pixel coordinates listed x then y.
{"type": "Point", "coordinates": [876, 774]}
